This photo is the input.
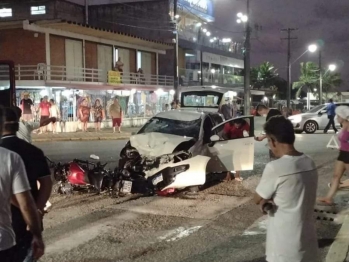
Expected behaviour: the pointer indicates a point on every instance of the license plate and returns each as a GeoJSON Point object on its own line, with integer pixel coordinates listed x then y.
{"type": "Point", "coordinates": [126, 187]}
{"type": "Point", "coordinates": [158, 179]}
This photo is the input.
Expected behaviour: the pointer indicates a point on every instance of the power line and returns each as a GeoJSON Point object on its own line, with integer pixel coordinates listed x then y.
{"type": "Point", "coordinates": [289, 38]}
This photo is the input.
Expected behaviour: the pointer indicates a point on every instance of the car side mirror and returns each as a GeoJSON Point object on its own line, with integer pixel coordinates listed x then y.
{"type": "Point", "coordinates": [214, 138]}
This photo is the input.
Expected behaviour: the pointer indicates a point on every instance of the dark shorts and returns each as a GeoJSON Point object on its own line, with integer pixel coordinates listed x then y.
{"type": "Point", "coordinates": [343, 157]}
{"type": "Point", "coordinates": [98, 119]}
{"type": "Point", "coordinates": [43, 118]}
{"type": "Point", "coordinates": [116, 122]}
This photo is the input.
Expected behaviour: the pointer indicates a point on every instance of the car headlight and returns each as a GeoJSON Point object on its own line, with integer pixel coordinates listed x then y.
{"type": "Point", "coordinates": [295, 119]}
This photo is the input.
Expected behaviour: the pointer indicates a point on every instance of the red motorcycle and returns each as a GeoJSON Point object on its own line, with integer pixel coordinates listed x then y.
{"type": "Point", "coordinates": [82, 175]}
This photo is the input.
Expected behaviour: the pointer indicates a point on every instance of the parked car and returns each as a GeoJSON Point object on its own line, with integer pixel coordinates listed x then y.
{"type": "Point", "coordinates": [313, 120]}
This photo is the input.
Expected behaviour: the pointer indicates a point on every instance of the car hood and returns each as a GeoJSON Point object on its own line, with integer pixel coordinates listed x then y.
{"type": "Point", "coordinates": [305, 115]}
{"type": "Point", "coordinates": [156, 144]}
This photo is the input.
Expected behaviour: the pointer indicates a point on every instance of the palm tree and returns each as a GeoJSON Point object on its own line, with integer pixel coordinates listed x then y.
{"type": "Point", "coordinates": [266, 74]}
{"type": "Point", "coordinates": [309, 78]}
{"type": "Point", "coordinates": [330, 81]}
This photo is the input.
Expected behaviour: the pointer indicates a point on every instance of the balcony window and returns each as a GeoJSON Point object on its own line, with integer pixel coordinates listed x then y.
{"type": "Point", "coordinates": [38, 10]}
{"type": "Point", "coordinates": [5, 12]}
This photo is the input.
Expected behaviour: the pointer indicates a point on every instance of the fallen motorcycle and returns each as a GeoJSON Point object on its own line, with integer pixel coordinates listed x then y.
{"type": "Point", "coordinates": [82, 175]}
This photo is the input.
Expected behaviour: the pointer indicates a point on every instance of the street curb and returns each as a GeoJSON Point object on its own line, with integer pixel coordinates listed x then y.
{"type": "Point", "coordinates": [62, 139]}
{"type": "Point", "coordinates": [339, 248]}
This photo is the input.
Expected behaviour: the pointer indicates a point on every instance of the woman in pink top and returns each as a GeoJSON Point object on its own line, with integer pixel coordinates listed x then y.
{"type": "Point", "coordinates": [342, 162]}
{"type": "Point", "coordinates": [44, 111]}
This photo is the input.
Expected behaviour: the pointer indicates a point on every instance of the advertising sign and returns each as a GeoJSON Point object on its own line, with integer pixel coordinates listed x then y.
{"type": "Point", "coordinates": [201, 8]}
{"type": "Point", "coordinates": [114, 77]}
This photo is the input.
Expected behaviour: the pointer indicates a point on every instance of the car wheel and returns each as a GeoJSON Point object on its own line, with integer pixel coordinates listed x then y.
{"type": "Point", "coordinates": [310, 127]}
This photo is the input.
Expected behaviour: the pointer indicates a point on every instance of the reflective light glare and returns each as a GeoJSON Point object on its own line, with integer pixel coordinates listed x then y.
{"type": "Point", "coordinates": [240, 15]}
{"type": "Point", "coordinates": [214, 87]}
{"type": "Point", "coordinates": [315, 89]}
{"type": "Point", "coordinates": [208, 33]}
{"type": "Point", "coordinates": [332, 67]}
{"type": "Point", "coordinates": [226, 40]}
{"type": "Point", "coordinates": [244, 18]}
{"type": "Point", "coordinates": [211, 40]}
{"type": "Point", "coordinates": [265, 98]}
{"type": "Point", "coordinates": [159, 91]}
{"type": "Point", "coordinates": [213, 71]}
{"type": "Point", "coordinates": [199, 24]}
{"type": "Point", "coordinates": [194, 39]}
{"type": "Point", "coordinates": [176, 16]}
{"type": "Point", "coordinates": [204, 30]}
{"type": "Point", "coordinates": [215, 38]}
{"type": "Point", "coordinates": [238, 21]}
{"type": "Point", "coordinates": [229, 49]}
{"type": "Point", "coordinates": [312, 48]}
{"type": "Point", "coordinates": [172, 92]}
{"type": "Point", "coordinates": [199, 72]}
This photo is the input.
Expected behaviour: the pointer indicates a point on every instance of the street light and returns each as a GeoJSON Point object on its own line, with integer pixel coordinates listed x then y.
{"type": "Point", "coordinates": [208, 33]}
{"type": "Point", "coordinates": [312, 48]}
{"type": "Point", "coordinates": [332, 67]}
{"type": "Point", "coordinates": [244, 18]}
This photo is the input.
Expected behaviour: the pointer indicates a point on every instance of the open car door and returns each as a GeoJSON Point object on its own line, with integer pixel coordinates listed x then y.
{"type": "Point", "coordinates": [232, 145]}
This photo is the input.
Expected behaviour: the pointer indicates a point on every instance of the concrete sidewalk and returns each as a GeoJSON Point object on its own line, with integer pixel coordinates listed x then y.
{"type": "Point", "coordinates": [105, 134]}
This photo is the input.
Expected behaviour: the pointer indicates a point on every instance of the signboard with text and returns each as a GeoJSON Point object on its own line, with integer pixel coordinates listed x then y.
{"type": "Point", "coordinates": [201, 8]}
{"type": "Point", "coordinates": [114, 77]}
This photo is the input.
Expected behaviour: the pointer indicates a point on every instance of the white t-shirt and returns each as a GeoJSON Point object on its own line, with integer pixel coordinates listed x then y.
{"type": "Point", "coordinates": [54, 111]}
{"type": "Point", "coordinates": [25, 130]}
{"type": "Point", "coordinates": [291, 181]}
{"type": "Point", "coordinates": [13, 180]}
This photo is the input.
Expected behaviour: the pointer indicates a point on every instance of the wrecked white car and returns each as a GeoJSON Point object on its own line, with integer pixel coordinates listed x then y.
{"type": "Point", "coordinates": [178, 148]}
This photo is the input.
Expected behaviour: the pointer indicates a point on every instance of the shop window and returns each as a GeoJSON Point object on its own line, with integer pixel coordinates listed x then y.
{"type": "Point", "coordinates": [38, 10]}
{"type": "Point", "coordinates": [6, 12]}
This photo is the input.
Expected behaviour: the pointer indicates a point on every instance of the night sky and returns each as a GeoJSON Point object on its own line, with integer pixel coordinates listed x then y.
{"type": "Point", "coordinates": [325, 20]}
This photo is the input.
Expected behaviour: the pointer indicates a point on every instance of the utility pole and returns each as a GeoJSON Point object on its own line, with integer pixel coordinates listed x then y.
{"type": "Point", "coordinates": [247, 64]}
{"type": "Point", "coordinates": [86, 12]}
{"type": "Point", "coordinates": [175, 65]}
{"type": "Point", "coordinates": [320, 71]}
{"type": "Point", "coordinates": [289, 82]}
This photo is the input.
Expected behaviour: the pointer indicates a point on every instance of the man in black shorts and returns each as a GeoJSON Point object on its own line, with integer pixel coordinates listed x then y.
{"type": "Point", "coordinates": [37, 170]}
{"type": "Point", "coordinates": [264, 111]}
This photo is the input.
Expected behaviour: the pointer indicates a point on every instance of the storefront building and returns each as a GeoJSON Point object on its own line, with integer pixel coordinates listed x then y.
{"type": "Point", "coordinates": [70, 62]}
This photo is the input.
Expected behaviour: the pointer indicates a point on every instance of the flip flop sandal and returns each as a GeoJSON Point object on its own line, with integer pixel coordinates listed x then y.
{"type": "Point", "coordinates": [239, 179]}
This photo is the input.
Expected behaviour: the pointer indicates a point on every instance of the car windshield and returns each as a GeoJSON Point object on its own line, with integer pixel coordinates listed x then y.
{"type": "Point", "coordinates": [173, 127]}
{"type": "Point", "coordinates": [316, 109]}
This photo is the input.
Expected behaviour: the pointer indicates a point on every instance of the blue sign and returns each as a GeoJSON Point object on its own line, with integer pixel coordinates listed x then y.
{"type": "Point", "coordinates": [202, 8]}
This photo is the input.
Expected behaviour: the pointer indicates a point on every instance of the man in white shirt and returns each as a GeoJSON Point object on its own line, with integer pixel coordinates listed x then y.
{"type": "Point", "coordinates": [14, 187]}
{"type": "Point", "coordinates": [289, 186]}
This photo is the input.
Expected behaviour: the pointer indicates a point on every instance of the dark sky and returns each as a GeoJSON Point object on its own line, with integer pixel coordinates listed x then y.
{"type": "Point", "coordinates": [326, 20]}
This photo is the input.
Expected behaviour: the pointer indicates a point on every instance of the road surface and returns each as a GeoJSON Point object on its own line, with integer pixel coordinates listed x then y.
{"type": "Point", "coordinates": [221, 224]}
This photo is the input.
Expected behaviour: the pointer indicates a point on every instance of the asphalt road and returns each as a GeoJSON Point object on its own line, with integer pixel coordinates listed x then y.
{"type": "Point", "coordinates": [221, 224]}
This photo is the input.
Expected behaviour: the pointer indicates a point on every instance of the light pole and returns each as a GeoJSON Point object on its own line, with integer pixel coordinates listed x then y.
{"type": "Point", "coordinates": [247, 96]}
{"type": "Point", "coordinates": [175, 65]}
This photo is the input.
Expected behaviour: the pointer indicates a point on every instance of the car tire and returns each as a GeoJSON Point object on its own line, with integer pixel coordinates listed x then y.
{"type": "Point", "coordinates": [310, 127]}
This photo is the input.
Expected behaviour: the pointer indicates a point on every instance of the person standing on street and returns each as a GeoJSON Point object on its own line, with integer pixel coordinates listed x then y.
{"type": "Point", "coordinates": [54, 112]}
{"type": "Point", "coordinates": [37, 171]}
{"type": "Point", "coordinates": [288, 187]}
{"type": "Point", "coordinates": [115, 111]}
{"type": "Point", "coordinates": [342, 162]}
{"type": "Point", "coordinates": [15, 188]}
{"type": "Point", "coordinates": [264, 111]}
{"type": "Point", "coordinates": [331, 113]}
{"type": "Point", "coordinates": [27, 107]}
{"type": "Point", "coordinates": [227, 110]}
{"type": "Point", "coordinates": [44, 112]}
